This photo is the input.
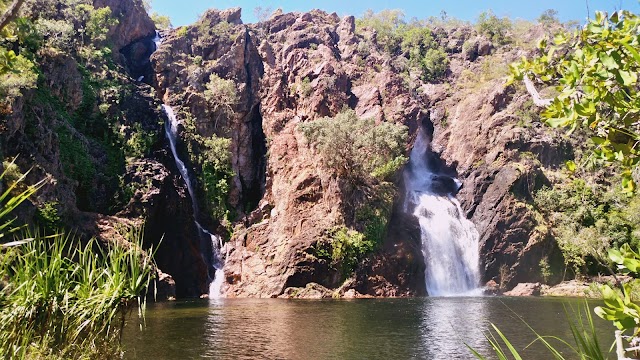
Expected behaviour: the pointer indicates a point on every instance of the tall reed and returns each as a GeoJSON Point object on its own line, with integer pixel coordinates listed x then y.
{"type": "Point", "coordinates": [585, 345]}
{"type": "Point", "coordinates": [63, 298]}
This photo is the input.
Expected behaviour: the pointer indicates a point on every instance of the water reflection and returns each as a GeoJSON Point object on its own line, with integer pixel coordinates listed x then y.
{"type": "Point", "coordinates": [449, 323]}
{"type": "Point", "coordinates": [425, 328]}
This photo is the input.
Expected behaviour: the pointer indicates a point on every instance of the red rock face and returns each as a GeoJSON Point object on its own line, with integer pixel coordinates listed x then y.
{"type": "Point", "coordinates": [299, 67]}
{"type": "Point", "coordinates": [133, 21]}
{"type": "Point", "coordinates": [290, 69]}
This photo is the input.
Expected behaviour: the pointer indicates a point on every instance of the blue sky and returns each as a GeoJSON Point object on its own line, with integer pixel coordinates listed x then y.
{"type": "Point", "coordinates": [184, 12]}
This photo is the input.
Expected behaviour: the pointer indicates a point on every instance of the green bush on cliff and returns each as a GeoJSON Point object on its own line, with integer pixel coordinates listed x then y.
{"type": "Point", "coordinates": [354, 148]}
{"type": "Point", "coordinates": [589, 219]}
{"type": "Point", "coordinates": [495, 28]}
{"type": "Point", "coordinates": [221, 95]}
{"type": "Point", "coordinates": [348, 248]}
{"type": "Point", "coordinates": [97, 21]}
{"type": "Point", "coordinates": [412, 40]}
{"type": "Point", "coordinates": [368, 156]}
{"type": "Point", "coordinates": [211, 156]}
{"type": "Point", "coordinates": [216, 175]}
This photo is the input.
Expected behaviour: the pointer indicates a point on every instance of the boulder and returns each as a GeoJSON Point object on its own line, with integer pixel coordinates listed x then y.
{"type": "Point", "coordinates": [525, 289]}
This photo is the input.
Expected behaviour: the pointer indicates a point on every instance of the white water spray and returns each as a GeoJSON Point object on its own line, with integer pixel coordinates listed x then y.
{"type": "Point", "coordinates": [449, 239]}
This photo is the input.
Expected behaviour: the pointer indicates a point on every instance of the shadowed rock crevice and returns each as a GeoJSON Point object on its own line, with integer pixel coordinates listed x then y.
{"type": "Point", "coordinates": [137, 59]}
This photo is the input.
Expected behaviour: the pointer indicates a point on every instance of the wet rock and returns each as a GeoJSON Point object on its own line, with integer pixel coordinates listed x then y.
{"type": "Point", "coordinates": [492, 288]}
{"type": "Point", "coordinates": [525, 289]}
{"type": "Point", "coordinates": [310, 291]}
{"type": "Point", "coordinates": [165, 287]}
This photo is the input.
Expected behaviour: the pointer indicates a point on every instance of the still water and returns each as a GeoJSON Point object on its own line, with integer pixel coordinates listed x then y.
{"type": "Point", "coordinates": [420, 328]}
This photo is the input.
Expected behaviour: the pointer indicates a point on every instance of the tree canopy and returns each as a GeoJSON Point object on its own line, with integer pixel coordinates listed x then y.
{"type": "Point", "coordinates": [595, 73]}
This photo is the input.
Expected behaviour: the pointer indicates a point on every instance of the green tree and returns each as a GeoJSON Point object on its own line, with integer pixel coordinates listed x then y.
{"type": "Point", "coordinates": [595, 72]}
{"type": "Point", "coordinates": [99, 23]}
{"type": "Point", "coordinates": [495, 28]}
{"type": "Point", "coordinates": [385, 24]}
{"type": "Point", "coordinates": [162, 22]}
{"type": "Point", "coordinates": [217, 172]}
{"type": "Point", "coordinates": [221, 94]}
{"type": "Point", "coordinates": [548, 17]}
{"type": "Point", "coordinates": [355, 148]}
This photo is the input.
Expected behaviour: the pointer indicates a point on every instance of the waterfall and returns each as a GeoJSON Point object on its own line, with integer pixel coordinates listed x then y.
{"type": "Point", "coordinates": [171, 129]}
{"type": "Point", "coordinates": [449, 239]}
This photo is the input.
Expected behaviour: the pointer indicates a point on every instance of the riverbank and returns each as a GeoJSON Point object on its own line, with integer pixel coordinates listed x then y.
{"type": "Point", "coordinates": [586, 288]}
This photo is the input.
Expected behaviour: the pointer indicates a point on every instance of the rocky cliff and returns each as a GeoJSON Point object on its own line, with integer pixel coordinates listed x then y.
{"type": "Point", "coordinates": [282, 200]}
{"type": "Point", "coordinates": [295, 68]}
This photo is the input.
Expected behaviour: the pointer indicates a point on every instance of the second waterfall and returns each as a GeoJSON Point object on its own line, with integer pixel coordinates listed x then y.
{"type": "Point", "coordinates": [449, 239]}
{"type": "Point", "coordinates": [171, 129]}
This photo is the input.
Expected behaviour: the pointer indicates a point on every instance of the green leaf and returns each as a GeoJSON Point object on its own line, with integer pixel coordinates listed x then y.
{"type": "Point", "coordinates": [571, 166]}
{"type": "Point", "coordinates": [633, 51]}
{"type": "Point", "coordinates": [628, 78]}
{"type": "Point", "coordinates": [558, 122]}
{"type": "Point", "coordinates": [628, 185]}
{"type": "Point", "coordinates": [615, 256]}
{"type": "Point", "coordinates": [607, 61]}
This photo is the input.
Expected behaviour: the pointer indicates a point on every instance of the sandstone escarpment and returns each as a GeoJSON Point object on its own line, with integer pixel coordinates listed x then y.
{"type": "Point", "coordinates": [283, 200]}
{"type": "Point", "coordinates": [290, 69]}
{"type": "Point", "coordinates": [299, 67]}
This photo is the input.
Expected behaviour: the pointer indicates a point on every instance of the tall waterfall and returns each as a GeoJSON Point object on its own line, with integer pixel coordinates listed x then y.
{"type": "Point", "coordinates": [449, 239]}
{"type": "Point", "coordinates": [171, 129]}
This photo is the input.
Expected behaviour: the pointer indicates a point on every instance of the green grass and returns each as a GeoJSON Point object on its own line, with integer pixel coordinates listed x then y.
{"type": "Point", "coordinates": [63, 298]}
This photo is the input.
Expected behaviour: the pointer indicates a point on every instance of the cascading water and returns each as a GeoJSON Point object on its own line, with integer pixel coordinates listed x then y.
{"type": "Point", "coordinates": [171, 129]}
{"type": "Point", "coordinates": [449, 239]}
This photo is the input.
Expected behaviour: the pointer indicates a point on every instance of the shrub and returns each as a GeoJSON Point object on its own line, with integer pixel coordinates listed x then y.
{"type": "Point", "coordinates": [48, 217]}
{"type": "Point", "coordinates": [215, 160]}
{"type": "Point", "coordinates": [495, 28]}
{"type": "Point", "coordinates": [414, 40]}
{"type": "Point", "coordinates": [16, 73]}
{"type": "Point", "coordinates": [162, 22]}
{"type": "Point", "coordinates": [58, 34]}
{"type": "Point", "coordinates": [220, 93]}
{"type": "Point", "coordinates": [549, 17]}
{"type": "Point", "coordinates": [385, 24]}
{"type": "Point", "coordinates": [348, 248]}
{"type": "Point", "coordinates": [434, 64]}
{"type": "Point", "coordinates": [98, 21]}
{"type": "Point", "coordinates": [139, 142]}
{"type": "Point", "coordinates": [305, 87]}
{"type": "Point", "coordinates": [355, 148]}
{"type": "Point", "coordinates": [182, 31]}
{"type": "Point", "coordinates": [13, 176]}
{"type": "Point", "coordinates": [588, 220]}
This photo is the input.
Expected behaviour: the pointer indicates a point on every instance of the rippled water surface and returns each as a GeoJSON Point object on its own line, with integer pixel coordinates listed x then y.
{"type": "Point", "coordinates": [422, 328]}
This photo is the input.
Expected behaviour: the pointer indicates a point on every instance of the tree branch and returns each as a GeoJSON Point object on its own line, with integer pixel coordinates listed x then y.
{"type": "Point", "coordinates": [10, 13]}
{"type": "Point", "coordinates": [534, 93]}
